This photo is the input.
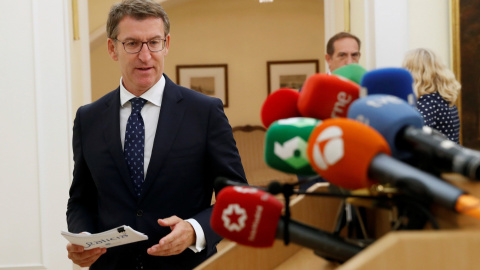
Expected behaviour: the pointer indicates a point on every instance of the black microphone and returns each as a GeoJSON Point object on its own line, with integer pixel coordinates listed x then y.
{"type": "Point", "coordinates": [326, 245]}
{"type": "Point", "coordinates": [402, 127]}
{"type": "Point", "coordinates": [405, 177]}
{"type": "Point", "coordinates": [375, 165]}
{"type": "Point", "coordinates": [252, 217]}
{"type": "Point", "coordinates": [222, 182]}
{"type": "Point", "coordinates": [275, 187]}
{"type": "Point", "coordinates": [445, 154]}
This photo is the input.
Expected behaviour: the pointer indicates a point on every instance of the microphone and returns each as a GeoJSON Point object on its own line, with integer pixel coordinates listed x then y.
{"type": "Point", "coordinates": [222, 182]}
{"type": "Point", "coordinates": [388, 115]}
{"type": "Point", "coordinates": [326, 96]}
{"type": "Point", "coordinates": [280, 104]}
{"type": "Point", "coordinates": [353, 155]}
{"type": "Point", "coordinates": [286, 143]}
{"type": "Point", "coordinates": [252, 217]}
{"type": "Point", "coordinates": [390, 81]}
{"type": "Point", "coordinates": [354, 72]}
{"type": "Point", "coordinates": [402, 127]}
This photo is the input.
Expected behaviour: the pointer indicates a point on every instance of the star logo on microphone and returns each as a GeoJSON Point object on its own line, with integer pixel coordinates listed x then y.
{"type": "Point", "coordinates": [328, 148]}
{"type": "Point", "coordinates": [234, 217]}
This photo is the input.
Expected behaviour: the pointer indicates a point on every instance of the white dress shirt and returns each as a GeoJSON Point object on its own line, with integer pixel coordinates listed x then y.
{"type": "Point", "coordinates": [150, 114]}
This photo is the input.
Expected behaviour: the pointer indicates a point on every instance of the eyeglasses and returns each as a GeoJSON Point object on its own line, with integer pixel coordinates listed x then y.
{"type": "Point", "coordinates": [135, 46]}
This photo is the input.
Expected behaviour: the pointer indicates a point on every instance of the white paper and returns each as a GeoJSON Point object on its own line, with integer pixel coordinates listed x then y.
{"type": "Point", "coordinates": [115, 237]}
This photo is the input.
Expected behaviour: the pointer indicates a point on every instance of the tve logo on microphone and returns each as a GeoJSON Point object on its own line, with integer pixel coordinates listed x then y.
{"type": "Point", "coordinates": [340, 107]}
{"type": "Point", "coordinates": [328, 148]}
{"type": "Point", "coordinates": [234, 217]}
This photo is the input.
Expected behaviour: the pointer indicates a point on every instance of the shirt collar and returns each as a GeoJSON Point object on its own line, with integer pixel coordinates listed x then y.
{"type": "Point", "coordinates": [153, 95]}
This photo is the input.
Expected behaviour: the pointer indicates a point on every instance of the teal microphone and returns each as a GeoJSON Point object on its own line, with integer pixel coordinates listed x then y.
{"type": "Point", "coordinates": [353, 72]}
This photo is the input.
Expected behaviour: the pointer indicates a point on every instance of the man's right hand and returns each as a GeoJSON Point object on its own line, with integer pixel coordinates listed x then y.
{"type": "Point", "coordinates": [82, 257]}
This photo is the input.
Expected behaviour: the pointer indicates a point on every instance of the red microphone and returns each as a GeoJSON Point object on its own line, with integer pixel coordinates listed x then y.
{"type": "Point", "coordinates": [280, 104]}
{"type": "Point", "coordinates": [251, 217]}
{"type": "Point", "coordinates": [250, 222]}
{"type": "Point", "coordinates": [325, 96]}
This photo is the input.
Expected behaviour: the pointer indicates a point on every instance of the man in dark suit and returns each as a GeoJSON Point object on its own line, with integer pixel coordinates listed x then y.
{"type": "Point", "coordinates": [185, 142]}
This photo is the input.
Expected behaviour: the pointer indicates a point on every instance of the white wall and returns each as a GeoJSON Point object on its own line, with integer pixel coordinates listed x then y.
{"type": "Point", "coordinates": [435, 32]}
{"type": "Point", "coordinates": [388, 29]}
{"type": "Point", "coordinates": [391, 32]}
{"type": "Point", "coordinates": [35, 159]}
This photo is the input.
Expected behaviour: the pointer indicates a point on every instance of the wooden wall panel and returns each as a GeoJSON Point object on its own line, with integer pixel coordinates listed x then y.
{"type": "Point", "coordinates": [470, 72]}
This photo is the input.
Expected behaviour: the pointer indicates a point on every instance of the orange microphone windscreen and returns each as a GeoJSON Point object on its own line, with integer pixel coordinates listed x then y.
{"type": "Point", "coordinates": [468, 205]}
{"type": "Point", "coordinates": [341, 150]}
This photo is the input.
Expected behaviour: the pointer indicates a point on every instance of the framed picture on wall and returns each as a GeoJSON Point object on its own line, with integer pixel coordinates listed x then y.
{"type": "Point", "coordinates": [289, 74]}
{"type": "Point", "coordinates": [211, 80]}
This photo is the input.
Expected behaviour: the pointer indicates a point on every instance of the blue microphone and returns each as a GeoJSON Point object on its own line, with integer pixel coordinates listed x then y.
{"type": "Point", "coordinates": [389, 115]}
{"type": "Point", "coordinates": [402, 127]}
{"type": "Point", "coordinates": [389, 81]}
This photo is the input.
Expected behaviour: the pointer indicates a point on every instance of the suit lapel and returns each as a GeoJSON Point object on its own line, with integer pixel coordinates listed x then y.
{"type": "Point", "coordinates": [111, 131]}
{"type": "Point", "coordinates": [171, 114]}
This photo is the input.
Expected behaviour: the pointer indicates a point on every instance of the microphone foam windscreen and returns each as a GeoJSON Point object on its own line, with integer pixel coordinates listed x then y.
{"type": "Point", "coordinates": [341, 151]}
{"type": "Point", "coordinates": [286, 145]}
{"type": "Point", "coordinates": [390, 81]}
{"type": "Point", "coordinates": [387, 114]}
{"type": "Point", "coordinates": [280, 104]}
{"type": "Point", "coordinates": [354, 72]}
{"type": "Point", "coordinates": [326, 96]}
{"type": "Point", "coordinates": [246, 215]}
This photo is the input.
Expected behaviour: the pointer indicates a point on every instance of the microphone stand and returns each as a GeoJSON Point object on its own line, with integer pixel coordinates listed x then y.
{"type": "Point", "coordinates": [349, 215]}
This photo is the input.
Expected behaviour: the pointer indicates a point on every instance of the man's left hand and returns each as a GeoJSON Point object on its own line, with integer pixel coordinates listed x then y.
{"type": "Point", "coordinates": [180, 238]}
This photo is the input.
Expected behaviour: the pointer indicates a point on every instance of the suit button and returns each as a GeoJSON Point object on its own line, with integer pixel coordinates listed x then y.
{"type": "Point", "coordinates": [139, 213]}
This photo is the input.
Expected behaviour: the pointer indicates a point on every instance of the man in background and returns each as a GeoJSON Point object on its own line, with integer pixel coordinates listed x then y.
{"type": "Point", "coordinates": [342, 49]}
{"type": "Point", "coordinates": [146, 154]}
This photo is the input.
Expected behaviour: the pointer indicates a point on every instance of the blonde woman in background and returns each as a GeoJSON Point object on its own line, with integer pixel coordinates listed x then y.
{"type": "Point", "coordinates": [436, 89]}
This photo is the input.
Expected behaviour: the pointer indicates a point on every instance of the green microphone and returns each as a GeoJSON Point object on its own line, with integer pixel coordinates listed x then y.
{"type": "Point", "coordinates": [353, 72]}
{"type": "Point", "coordinates": [286, 145]}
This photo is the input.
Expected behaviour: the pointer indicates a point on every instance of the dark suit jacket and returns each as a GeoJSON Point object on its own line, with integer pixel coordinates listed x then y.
{"type": "Point", "coordinates": [193, 145]}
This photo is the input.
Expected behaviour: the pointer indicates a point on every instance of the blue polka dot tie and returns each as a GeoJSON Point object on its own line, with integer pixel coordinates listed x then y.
{"type": "Point", "coordinates": [135, 144]}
